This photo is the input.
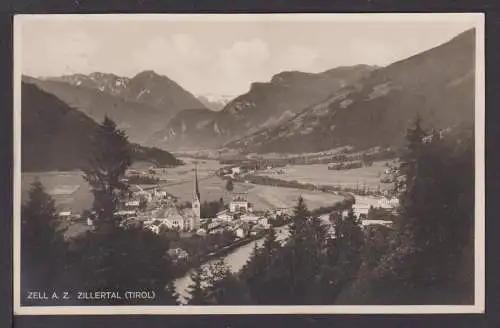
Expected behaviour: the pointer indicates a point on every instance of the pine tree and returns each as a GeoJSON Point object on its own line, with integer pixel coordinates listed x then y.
{"type": "Point", "coordinates": [342, 258]}
{"type": "Point", "coordinates": [264, 272]}
{"type": "Point", "coordinates": [110, 158]}
{"type": "Point", "coordinates": [171, 297]}
{"type": "Point", "coordinates": [114, 257]}
{"type": "Point", "coordinates": [43, 249]}
{"type": "Point", "coordinates": [198, 288]}
{"type": "Point", "coordinates": [229, 185]}
{"type": "Point", "coordinates": [436, 212]}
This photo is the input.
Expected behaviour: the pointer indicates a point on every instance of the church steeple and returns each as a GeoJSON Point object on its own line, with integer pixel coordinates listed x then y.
{"type": "Point", "coordinates": [196, 189]}
{"type": "Point", "coordinates": [195, 223]}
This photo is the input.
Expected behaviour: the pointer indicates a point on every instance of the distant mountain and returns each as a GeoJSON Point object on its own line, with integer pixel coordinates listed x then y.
{"type": "Point", "coordinates": [265, 105]}
{"type": "Point", "coordinates": [438, 84]}
{"type": "Point", "coordinates": [140, 105]}
{"type": "Point", "coordinates": [57, 137]}
{"type": "Point", "coordinates": [214, 102]}
{"type": "Point", "coordinates": [190, 128]}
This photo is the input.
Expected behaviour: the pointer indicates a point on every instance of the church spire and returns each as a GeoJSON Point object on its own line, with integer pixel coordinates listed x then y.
{"type": "Point", "coordinates": [196, 189]}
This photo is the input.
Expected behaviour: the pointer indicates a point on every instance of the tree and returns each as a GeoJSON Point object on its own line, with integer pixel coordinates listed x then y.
{"type": "Point", "coordinates": [263, 273]}
{"type": "Point", "coordinates": [114, 257]}
{"type": "Point", "coordinates": [143, 204]}
{"type": "Point", "coordinates": [229, 185]}
{"type": "Point", "coordinates": [342, 258]}
{"type": "Point", "coordinates": [110, 158]}
{"type": "Point", "coordinates": [429, 257]}
{"type": "Point", "coordinates": [131, 259]}
{"type": "Point", "coordinates": [198, 288]}
{"type": "Point", "coordinates": [43, 249]}
{"type": "Point", "coordinates": [223, 287]}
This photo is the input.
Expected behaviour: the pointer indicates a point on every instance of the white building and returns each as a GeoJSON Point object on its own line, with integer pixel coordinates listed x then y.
{"type": "Point", "coordinates": [365, 223]}
{"type": "Point", "coordinates": [159, 194]}
{"type": "Point", "coordinates": [264, 222]}
{"type": "Point", "coordinates": [360, 209]}
{"type": "Point", "coordinates": [241, 232]}
{"type": "Point", "coordinates": [126, 213]}
{"type": "Point", "coordinates": [178, 253]}
{"type": "Point", "coordinates": [132, 203]}
{"type": "Point", "coordinates": [249, 218]}
{"type": "Point", "coordinates": [65, 214]}
{"type": "Point", "coordinates": [388, 202]}
{"type": "Point", "coordinates": [239, 203]}
{"type": "Point", "coordinates": [225, 216]}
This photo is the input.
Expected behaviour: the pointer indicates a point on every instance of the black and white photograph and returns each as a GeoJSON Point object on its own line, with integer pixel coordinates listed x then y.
{"type": "Point", "coordinates": [248, 163]}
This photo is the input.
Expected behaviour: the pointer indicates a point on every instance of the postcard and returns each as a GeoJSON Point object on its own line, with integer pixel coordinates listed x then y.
{"type": "Point", "coordinates": [249, 163]}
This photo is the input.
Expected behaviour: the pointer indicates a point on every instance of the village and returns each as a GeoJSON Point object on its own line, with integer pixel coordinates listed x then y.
{"type": "Point", "coordinates": [238, 220]}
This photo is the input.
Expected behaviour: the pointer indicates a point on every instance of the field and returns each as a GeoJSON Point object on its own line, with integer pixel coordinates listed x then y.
{"type": "Point", "coordinates": [268, 197]}
{"type": "Point", "coordinates": [320, 175]}
{"type": "Point", "coordinates": [69, 190]}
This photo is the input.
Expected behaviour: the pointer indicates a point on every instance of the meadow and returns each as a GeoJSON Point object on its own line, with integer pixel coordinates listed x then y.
{"type": "Point", "coordinates": [320, 175]}
{"type": "Point", "coordinates": [68, 189]}
{"type": "Point", "coordinates": [71, 192]}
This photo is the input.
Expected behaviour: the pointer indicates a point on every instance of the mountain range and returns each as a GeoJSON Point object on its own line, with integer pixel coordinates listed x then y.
{"type": "Point", "coordinates": [213, 101]}
{"type": "Point", "coordinates": [437, 84]}
{"type": "Point", "coordinates": [295, 112]}
{"type": "Point", "coordinates": [265, 105]}
{"type": "Point", "coordinates": [139, 105]}
{"type": "Point", "coordinates": [57, 137]}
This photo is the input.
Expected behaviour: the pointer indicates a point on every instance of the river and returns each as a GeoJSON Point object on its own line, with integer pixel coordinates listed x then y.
{"type": "Point", "coordinates": [234, 260]}
{"type": "Point", "coordinates": [237, 258]}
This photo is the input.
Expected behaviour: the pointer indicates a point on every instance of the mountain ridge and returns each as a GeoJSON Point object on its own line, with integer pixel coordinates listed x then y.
{"type": "Point", "coordinates": [437, 83]}
{"type": "Point", "coordinates": [140, 105]}
{"type": "Point", "coordinates": [265, 104]}
{"type": "Point", "coordinates": [58, 137]}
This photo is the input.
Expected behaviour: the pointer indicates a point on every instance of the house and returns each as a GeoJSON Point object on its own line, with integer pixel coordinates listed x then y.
{"type": "Point", "coordinates": [216, 230]}
{"type": "Point", "coordinates": [65, 214]}
{"type": "Point", "coordinates": [125, 213]}
{"type": "Point", "coordinates": [132, 203]}
{"type": "Point", "coordinates": [264, 222]}
{"type": "Point", "coordinates": [225, 216]}
{"type": "Point", "coordinates": [360, 210]}
{"type": "Point", "coordinates": [201, 232]}
{"type": "Point", "coordinates": [178, 254]}
{"type": "Point", "coordinates": [159, 194]}
{"type": "Point", "coordinates": [239, 203]}
{"type": "Point", "coordinates": [249, 218]}
{"type": "Point", "coordinates": [154, 228]}
{"type": "Point", "coordinates": [241, 232]}
{"type": "Point", "coordinates": [213, 225]}
{"type": "Point", "coordinates": [386, 223]}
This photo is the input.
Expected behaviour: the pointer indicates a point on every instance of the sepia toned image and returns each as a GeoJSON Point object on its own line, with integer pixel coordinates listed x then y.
{"type": "Point", "coordinates": [207, 164]}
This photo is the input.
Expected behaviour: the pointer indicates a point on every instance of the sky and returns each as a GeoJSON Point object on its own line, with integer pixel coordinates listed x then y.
{"type": "Point", "coordinates": [223, 55]}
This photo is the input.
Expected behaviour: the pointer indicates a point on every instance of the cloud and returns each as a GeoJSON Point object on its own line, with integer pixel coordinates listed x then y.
{"type": "Point", "coordinates": [234, 67]}
{"type": "Point", "coordinates": [242, 56]}
{"type": "Point", "coordinates": [70, 53]}
{"type": "Point", "coordinates": [300, 58]}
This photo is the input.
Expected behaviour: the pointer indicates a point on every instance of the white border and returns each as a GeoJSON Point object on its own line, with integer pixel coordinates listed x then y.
{"type": "Point", "coordinates": [478, 307]}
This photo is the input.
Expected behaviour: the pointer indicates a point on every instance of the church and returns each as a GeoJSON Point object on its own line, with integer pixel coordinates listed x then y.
{"type": "Point", "coordinates": [176, 218]}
